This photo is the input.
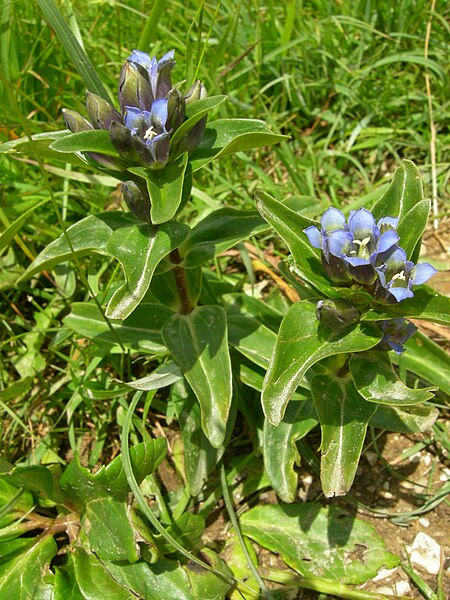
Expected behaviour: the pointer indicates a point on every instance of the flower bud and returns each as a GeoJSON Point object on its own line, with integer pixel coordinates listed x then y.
{"type": "Point", "coordinates": [176, 108]}
{"type": "Point", "coordinates": [134, 89]}
{"type": "Point", "coordinates": [197, 91]}
{"type": "Point", "coordinates": [122, 141]}
{"type": "Point", "coordinates": [193, 137]}
{"type": "Point", "coordinates": [137, 199]}
{"type": "Point", "coordinates": [336, 314]}
{"type": "Point", "coordinates": [75, 122]}
{"type": "Point", "coordinates": [100, 112]}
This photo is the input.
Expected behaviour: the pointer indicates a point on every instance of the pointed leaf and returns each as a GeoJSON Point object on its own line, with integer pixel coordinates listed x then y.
{"type": "Point", "coordinates": [187, 530]}
{"type": "Point", "coordinates": [194, 113]}
{"type": "Point", "coordinates": [290, 225]}
{"type": "Point", "coordinates": [411, 227]}
{"type": "Point", "coordinates": [280, 450]}
{"type": "Point", "coordinates": [162, 376]}
{"type": "Point", "coordinates": [408, 419]}
{"type": "Point", "coordinates": [427, 304]}
{"type": "Point", "coordinates": [426, 359]}
{"type": "Point", "coordinates": [376, 381]}
{"type": "Point", "coordinates": [199, 345]}
{"type": "Point", "coordinates": [250, 338]}
{"type": "Point", "coordinates": [138, 246]}
{"type": "Point", "coordinates": [344, 416]}
{"type": "Point", "coordinates": [165, 188]}
{"type": "Point", "coordinates": [319, 541]}
{"type": "Point", "coordinates": [227, 136]}
{"type": "Point", "coordinates": [219, 231]}
{"type": "Point", "coordinates": [93, 140]}
{"type": "Point", "coordinates": [404, 192]}
{"type": "Point", "coordinates": [302, 341]}
{"type": "Point", "coordinates": [140, 331]}
{"type": "Point", "coordinates": [40, 146]}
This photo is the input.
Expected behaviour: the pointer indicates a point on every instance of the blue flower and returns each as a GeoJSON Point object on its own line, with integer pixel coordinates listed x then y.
{"type": "Point", "coordinates": [396, 333]}
{"type": "Point", "coordinates": [397, 275]}
{"type": "Point", "coordinates": [351, 251]}
{"type": "Point", "coordinates": [151, 111]}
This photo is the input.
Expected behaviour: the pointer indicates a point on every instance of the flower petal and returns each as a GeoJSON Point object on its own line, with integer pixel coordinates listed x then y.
{"type": "Point", "coordinates": [387, 240]}
{"type": "Point", "coordinates": [362, 224]}
{"type": "Point", "coordinates": [332, 220]}
{"type": "Point", "coordinates": [314, 236]}
{"type": "Point", "coordinates": [133, 117]}
{"type": "Point", "coordinates": [159, 114]}
{"type": "Point", "coordinates": [140, 58]}
{"type": "Point", "coordinates": [422, 273]}
{"type": "Point", "coordinates": [400, 293]}
{"type": "Point", "coordinates": [387, 223]}
{"type": "Point", "coordinates": [339, 243]}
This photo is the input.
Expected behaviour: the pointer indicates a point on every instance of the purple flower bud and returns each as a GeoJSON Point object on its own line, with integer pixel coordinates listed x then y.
{"type": "Point", "coordinates": [176, 110]}
{"type": "Point", "coordinates": [100, 112]}
{"type": "Point", "coordinates": [336, 314]}
{"type": "Point", "coordinates": [134, 89]}
{"type": "Point", "coordinates": [157, 71]}
{"type": "Point", "coordinates": [137, 199]}
{"type": "Point", "coordinates": [396, 333]}
{"type": "Point", "coordinates": [75, 122]}
{"type": "Point", "coordinates": [196, 92]}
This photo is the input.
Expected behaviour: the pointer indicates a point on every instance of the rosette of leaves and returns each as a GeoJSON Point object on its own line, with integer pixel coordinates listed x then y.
{"type": "Point", "coordinates": [360, 283]}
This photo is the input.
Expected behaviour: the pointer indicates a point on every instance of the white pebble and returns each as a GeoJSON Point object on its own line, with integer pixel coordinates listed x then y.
{"type": "Point", "coordinates": [371, 457]}
{"type": "Point", "coordinates": [384, 574]}
{"type": "Point", "coordinates": [402, 587]}
{"type": "Point", "coordinates": [424, 522]}
{"type": "Point", "coordinates": [426, 553]}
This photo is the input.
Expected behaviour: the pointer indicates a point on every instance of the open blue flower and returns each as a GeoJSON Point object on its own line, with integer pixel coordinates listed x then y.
{"type": "Point", "coordinates": [351, 251]}
{"type": "Point", "coordinates": [397, 275]}
{"type": "Point", "coordinates": [396, 333]}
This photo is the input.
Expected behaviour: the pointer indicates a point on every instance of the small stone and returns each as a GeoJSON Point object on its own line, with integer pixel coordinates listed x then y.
{"type": "Point", "coordinates": [402, 587]}
{"type": "Point", "coordinates": [387, 591]}
{"type": "Point", "coordinates": [426, 553]}
{"type": "Point", "coordinates": [385, 485]}
{"type": "Point", "coordinates": [371, 457]}
{"type": "Point", "coordinates": [385, 495]}
{"type": "Point", "coordinates": [415, 458]}
{"type": "Point", "coordinates": [384, 574]}
{"type": "Point", "coordinates": [427, 460]}
{"type": "Point", "coordinates": [424, 522]}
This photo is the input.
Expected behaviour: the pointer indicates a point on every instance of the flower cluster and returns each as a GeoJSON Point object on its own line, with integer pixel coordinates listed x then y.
{"type": "Point", "coordinates": [366, 252]}
{"type": "Point", "coordinates": [151, 110]}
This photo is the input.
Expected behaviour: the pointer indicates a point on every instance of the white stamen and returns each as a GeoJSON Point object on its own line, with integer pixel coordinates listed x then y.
{"type": "Point", "coordinates": [363, 242]}
{"type": "Point", "coordinates": [150, 133]}
{"type": "Point", "coordinates": [400, 275]}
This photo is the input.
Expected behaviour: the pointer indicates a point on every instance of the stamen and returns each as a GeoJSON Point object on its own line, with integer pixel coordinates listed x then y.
{"type": "Point", "coordinates": [400, 276]}
{"type": "Point", "coordinates": [363, 250]}
{"type": "Point", "coordinates": [150, 133]}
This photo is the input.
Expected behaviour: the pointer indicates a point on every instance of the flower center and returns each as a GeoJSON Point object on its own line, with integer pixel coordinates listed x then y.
{"type": "Point", "coordinates": [399, 276]}
{"type": "Point", "coordinates": [363, 251]}
{"type": "Point", "coordinates": [150, 133]}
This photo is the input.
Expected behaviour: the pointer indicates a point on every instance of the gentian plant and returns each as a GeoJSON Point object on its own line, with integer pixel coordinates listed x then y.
{"type": "Point", "coordinates": [325, 359]}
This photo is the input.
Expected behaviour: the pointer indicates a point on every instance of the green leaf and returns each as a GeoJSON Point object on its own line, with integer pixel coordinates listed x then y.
{"type": "Point", "coordinates": [344, 416]}
{"type": "Point", "coordinates": [237, 562]}
{"type": "Point", "coordinates": [39, 145]}
{"type": "Point", "coordinates": [411, 227]}
{"type": "Point", "coordinates": [36, 478]}
{"type": "Point", "coordinates": [7, 236]}
{"type": "Point", "coordinates": [404, 192]}
{"type": "Point", "coordinates": [187, 530]}
{"type": "Point", "coordinates": [319, 541]}
{"type": "Point", "coordinates": [219, 231]}
{"type": "Point", "coordinates": [427, 304]}
{"type": "Point", "coordinates": [290, 225]}
{"type": "Point", "coordinates": [194, 113]}
{"type": "Point", "coordinates": [376, 381]}
{"type": "Point", "coordinates": [408, 419]}
{"type": "Point", "coordinates": [94, 579]}
{"type": "Point", "coordinates": [207, 585]}
{"type": "Point", "coordinates": [106, 523]}
{"type": "Point", "coordinates": [140, 331]}
{"type": "Point", "coordinates": [200, 458]}
{"type": "Point", "coordinates": [82, 486]}
{"type": "Point", "coordinates": [165, 188]}
{"type": "Point", "coordinates": [199, 345]}
{"type": "Point", "coordinates": [162, 579]}
{"type": "Point", "coordinates": [426, 359]}
{"type": "Point", "coordinates": [73, 48]}
{"type": "Point", "coordinates": [250, 338]}
{"type": "Point", "coordinates": [162, 376]}
{"type": "Point", "coordinates": [280, 450]}
{"type": "Point", "coordinates": [21, 574]}
{"type": "Point", "coordinates": [227, 136]}
{"type": "Point", "coordinates": [303, 341]}
{"type": "Point", "coordinates": [245, 305]}
{"type": "Point", "coordinates": [138, 246]}
{"type": "Point", "coordinates": [65, 586]}
{"type": "Point", "coordinates": [93, 140]}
